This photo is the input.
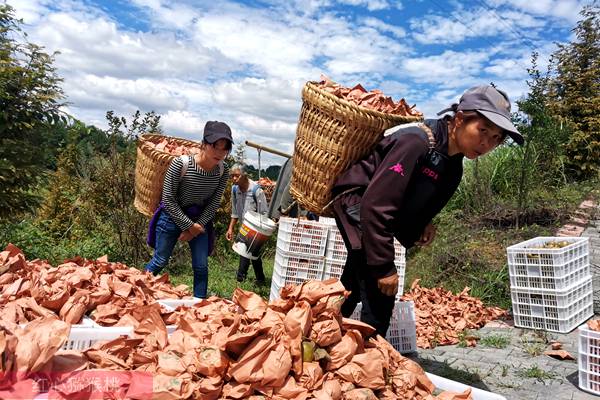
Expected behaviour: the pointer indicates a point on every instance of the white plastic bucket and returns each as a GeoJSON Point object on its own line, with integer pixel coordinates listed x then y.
{"type": "Point", "coordinates": [254, 232]}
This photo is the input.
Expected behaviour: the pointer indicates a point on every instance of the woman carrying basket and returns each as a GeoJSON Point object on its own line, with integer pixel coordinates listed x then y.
{"type": "Point", "coordinates": [192, 191]}
{"type": "Point", "coordinates": [395, 191]}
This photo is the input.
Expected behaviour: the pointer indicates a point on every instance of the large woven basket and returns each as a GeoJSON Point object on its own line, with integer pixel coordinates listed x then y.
{"type": "Point", "coordinates": [150, 167]}
{"type": "Point", "coordinates": [332, 134]}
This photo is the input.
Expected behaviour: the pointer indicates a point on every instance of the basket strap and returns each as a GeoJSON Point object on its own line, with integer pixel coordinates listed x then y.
{"type": "Point", "coordinates": [432, 142]}
{"type": "Point", "coordinates": [185, 159]}
{"type": "Point", "coordinates": [425, 128]}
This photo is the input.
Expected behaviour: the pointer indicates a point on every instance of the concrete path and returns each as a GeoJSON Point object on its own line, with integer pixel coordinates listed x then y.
{"type": "Point", "coordinates": [517, 369]}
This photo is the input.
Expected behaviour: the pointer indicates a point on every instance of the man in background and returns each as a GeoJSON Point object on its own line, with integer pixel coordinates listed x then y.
{"type": "Point", "coordinates": [246, 195]}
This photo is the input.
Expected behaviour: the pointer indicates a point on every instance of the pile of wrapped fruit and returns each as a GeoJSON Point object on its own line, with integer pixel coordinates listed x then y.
{"type": "Point", "coordinates": [298, 347]}
{"type": "Point", "coordinates": [374, 99]}
{"type": "Point", "coordinates": [172, 146]}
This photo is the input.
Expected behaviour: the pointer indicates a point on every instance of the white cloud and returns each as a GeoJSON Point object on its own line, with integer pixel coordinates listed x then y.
{"type": "Point", "coordinates": [371, 5]}
{"type": "Point", "coordinates": [384, 27]}
{"type": "Point", "coordinates": [98, 46]}
{"type": "Point", "coordinates": [143, 94]}
{"type": "Point", "coordinates": [274, 99]}
{"type": "Point", "coordinates": [449, 69]}
{"type": "Point", "coordinates": [246, 64]}
{"type": "Point", "coordinates": [567, 10]}
{"type": "Point", "coordinates": [182, 124]}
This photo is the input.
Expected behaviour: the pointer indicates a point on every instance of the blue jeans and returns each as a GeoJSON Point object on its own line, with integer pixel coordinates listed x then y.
{"type": "Point", "coordinates": [167, 234]}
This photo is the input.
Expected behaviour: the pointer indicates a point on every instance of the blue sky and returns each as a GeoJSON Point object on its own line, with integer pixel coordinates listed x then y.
{"type": "Point", "coordinates": [245, 62]}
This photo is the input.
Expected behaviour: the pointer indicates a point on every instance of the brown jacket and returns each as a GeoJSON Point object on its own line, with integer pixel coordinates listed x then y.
{"type": "Point", "coordinates": [398, 189]}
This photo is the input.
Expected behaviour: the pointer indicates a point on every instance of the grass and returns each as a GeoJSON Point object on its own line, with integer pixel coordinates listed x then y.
{"type": "Point", "coordinates": [470, 252]}
{"type": "Point", "coordinates": [462, 337]}
{"type": "Point", "coordinates": [222, 274]}
{"type": "Point", "coordinates": [535, 372]}
{"type": "Point", "coordinates": [535, 343]}
{"type": "Point", "coordinates": [495, 341]}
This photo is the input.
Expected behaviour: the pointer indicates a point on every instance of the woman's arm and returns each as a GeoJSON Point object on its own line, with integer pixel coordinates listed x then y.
{"type": "Point", "coordinates": [169, 195]}
{"type": "Point", "coordinates": [215, 200]}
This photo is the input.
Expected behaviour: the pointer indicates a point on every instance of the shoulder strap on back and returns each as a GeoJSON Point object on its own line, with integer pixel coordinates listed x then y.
{"type": "Point", "coordinates": [254, 190]}
{"type": "Point", "coordinates": [185, 159]}
{"type": "Point", "coordinates": [421, 125]}
{"type": "Point", "coordinates": [430, 136]}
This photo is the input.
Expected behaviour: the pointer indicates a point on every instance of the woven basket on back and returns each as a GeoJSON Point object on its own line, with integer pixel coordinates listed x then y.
{"type": "Point", "coordinates": [150, 167]}
{"type": "Point", "coordinates": [332, 134]}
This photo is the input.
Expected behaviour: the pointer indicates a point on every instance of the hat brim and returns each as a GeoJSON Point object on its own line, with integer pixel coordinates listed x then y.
{"type": "Point", "coordinates": [504, 123]}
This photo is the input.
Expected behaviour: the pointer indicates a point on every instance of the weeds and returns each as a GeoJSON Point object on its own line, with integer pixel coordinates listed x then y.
{"type": "Point", "coordinates": [535, 344]}
{"type": "Point", "coordinates": [496, 341]}
{"type": "Point", "coordinates": [464, 336]}
{"type": "Point", "coordinates": [535, 372]}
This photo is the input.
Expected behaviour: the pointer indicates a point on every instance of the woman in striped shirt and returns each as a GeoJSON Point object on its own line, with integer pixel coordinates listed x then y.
{"type": "Point", "coordinates": [190, 198]}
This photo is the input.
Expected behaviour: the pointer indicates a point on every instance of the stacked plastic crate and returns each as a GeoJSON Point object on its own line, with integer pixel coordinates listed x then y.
{"type": "Point", "coordinates": [300, 253]}
{"type": "Point", "coordinates": [551, 283]}
{"type": "Point", "coordinates": [335, 257]}
{"type": "Point", "coordinates": [402, 333]}
{"type": "Point", "coordinates": [589, 359]}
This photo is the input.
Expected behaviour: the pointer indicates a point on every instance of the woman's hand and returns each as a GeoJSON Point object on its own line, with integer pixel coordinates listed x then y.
{"type": "Point", "coordinates": [229, 234]}
{"type": "Point", "coordinates": [196, 230]}
{"type": "Point", "coordinates": [186, 236]}
{"type": "Point", "coordinates": [388, 285]}
{"type": "Point", "coordinates": [427, 235]}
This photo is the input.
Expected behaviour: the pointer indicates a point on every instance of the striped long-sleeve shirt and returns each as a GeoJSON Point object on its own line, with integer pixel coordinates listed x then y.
{"type": "Point", "coordinates": [196, 187]}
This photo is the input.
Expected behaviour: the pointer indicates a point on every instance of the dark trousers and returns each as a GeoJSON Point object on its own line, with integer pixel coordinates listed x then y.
{"type": "Point", "coordinates": [377, 308]}
{"type": "Point", "coordinates": [245, 264]}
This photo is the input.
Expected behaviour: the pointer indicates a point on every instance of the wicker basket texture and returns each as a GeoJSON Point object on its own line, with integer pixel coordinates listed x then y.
{"type": "Point", "coordinates": [150, 167]}
{"type": "Point", "coordinates": [332, 134]}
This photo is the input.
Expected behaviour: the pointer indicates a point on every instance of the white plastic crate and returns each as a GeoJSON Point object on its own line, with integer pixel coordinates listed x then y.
{"type": "Point", "coordinates": [297, 269]}
{"type": "Point", "coordinates": [334, 269]}
{"type": "Point", "coordinates": [548, 268]}
{"type": "Point", "coordinates": [553, 310]}
{"type": "Point", "coordinates": [85, 322]}
{"type": "Point", "coordinates": [302, 237]}
{"type": "Point", "coordinates": [81, 338]}
{"type": "Point", "coordinates": [172, 304]}
{"type": "Point", "coordinates": [447, 384]}
{"type": "Point", "coordinates": [336, 249]}
{"type": "Point", "coordinates": [549, 277]}
{"type": "Point", "coordinates": [588, 359]}
{"type": "Point", "coordinates": [402, 333]}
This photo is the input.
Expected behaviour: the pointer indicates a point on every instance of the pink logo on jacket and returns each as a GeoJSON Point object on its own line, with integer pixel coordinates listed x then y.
{"type": "Point", "coordinates": [398, 168]}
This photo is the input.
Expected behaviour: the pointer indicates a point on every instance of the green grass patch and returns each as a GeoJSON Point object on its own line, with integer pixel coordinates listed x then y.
{"type": "Point", "coordinates": [222, 271]}
{"type": "Point", "coordinates": [536, 373]}
{"type": "Point", "coordinates": [495, 341]}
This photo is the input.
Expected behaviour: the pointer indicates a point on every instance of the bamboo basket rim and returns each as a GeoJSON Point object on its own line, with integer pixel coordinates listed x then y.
{"type": "Point", "coordinates": [153, 152]}
{"type": "Point", "coordinates": [313, 85]}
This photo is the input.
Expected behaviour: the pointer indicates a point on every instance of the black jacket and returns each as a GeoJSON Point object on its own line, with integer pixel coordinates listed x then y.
{"type": "Point", "coordinates": [400, 186]}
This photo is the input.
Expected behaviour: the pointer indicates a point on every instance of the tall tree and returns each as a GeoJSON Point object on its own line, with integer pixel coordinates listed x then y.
{"type": "Point", "coordinates": [574, 92]}
{"type": "Point", "coordinates": [30, 99]}
{"type": "Point", "coordinates": [110, 192]}
{"type": "Point", "coordinates": [539, 161]}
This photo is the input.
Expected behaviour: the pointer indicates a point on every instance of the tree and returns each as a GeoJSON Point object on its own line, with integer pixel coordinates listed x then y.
{"type": "Point", "coordinates": [239, 155]}
{"type": "Point", "coordinates": [574, 93]}
{"type": "Point", "coordinates": [109, 194]}
{"type": "Point", "coordinates": [30, 100]}
{"type": "Point", "coordinates": [543, 134]}
{"type": "Point", "coordinates": [60, 203]}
